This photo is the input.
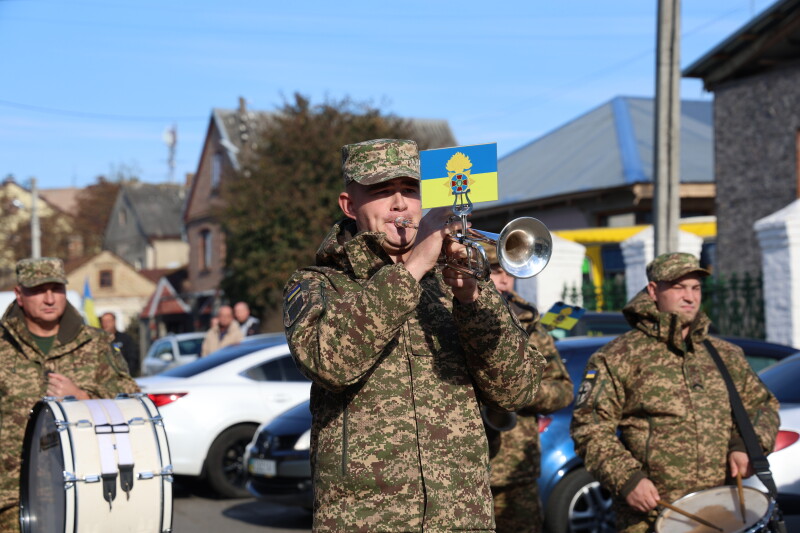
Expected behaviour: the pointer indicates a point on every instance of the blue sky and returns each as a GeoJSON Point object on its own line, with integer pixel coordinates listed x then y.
{"type": "Point", "coordinates": [89, 86]}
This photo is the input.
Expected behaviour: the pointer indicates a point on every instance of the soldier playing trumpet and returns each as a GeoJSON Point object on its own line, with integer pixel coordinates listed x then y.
{"type": "Point", "coordinates": [399, 352]}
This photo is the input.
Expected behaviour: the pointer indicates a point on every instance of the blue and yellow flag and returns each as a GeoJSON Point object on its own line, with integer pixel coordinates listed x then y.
{"type": "Point", "coordinates": [88, 305]}
{"type": "Point", "coordinates": [562, 316]}
{"type": "Point", "coordinates": [447, 172]}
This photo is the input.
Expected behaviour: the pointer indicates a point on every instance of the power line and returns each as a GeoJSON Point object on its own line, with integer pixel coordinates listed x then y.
{"type": "Point", "coordinates": [100, 116]}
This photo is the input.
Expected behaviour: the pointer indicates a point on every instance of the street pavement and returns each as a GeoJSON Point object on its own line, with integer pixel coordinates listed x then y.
{"type": "Point", "coordinates": [196, 511]}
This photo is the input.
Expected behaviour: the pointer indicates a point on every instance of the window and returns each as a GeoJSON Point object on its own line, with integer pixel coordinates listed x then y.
{"type": "Point", "coordinates": [281, 369]}
{"type": "Point", "coordinates": [205, 249]}
{"type": "Point", "coordinates": [106, 279]}
{"type": "Point", "coordinates": [216, 172]}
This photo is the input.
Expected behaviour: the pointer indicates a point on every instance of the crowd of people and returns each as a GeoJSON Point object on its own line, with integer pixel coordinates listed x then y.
{"type": "Point", "coordinates": [426, 381]}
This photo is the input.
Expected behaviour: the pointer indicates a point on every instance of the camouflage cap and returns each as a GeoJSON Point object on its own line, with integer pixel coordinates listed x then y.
{"type": "Point", "coordinates": [34, 272]}
{"type": "Point", "coordinates": [379, 160]}
{"type": "Point", "coordinates": [491, 253]}
{"type": "Point", "coordinates": [669, 267]}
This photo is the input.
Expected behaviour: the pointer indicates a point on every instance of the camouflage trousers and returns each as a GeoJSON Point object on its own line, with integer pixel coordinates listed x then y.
{"type": "Point", "coordinates": [9, 519]}
{"type": "Point", "coordinates": [517, 508]}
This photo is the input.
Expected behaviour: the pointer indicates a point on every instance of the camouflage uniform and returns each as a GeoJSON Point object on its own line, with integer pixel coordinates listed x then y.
{"type": "Point", "coordinates": [83, 354]}
{"type": "Point", "coordinates": [666, 397]}
{"type": "Point", "coordinates": [397, 442]}
{"type": "Point", "coordinates": [515, 466]}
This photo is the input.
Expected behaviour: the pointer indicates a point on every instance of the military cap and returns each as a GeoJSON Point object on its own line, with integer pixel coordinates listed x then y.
{"type": "Point", "coordinates": [491, 254]}
{"type": "Point", "coordinates": [669, 267]}
{"type": "Point", "coordinates": [379, 160]}
{"type": "Point", "coordinates": [34, 272]}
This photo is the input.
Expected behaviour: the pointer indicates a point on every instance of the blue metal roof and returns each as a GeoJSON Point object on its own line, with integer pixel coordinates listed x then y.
{"type": "Point", "coordinates": [609, 146]}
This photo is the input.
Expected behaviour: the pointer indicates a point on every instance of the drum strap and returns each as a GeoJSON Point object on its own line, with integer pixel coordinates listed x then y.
{"type": "Point", "coordinates": [105, 443]}
{"type": "Point", "coordinates": [754, 452]}
{"type": "Point", "coordinates": [124, 452]}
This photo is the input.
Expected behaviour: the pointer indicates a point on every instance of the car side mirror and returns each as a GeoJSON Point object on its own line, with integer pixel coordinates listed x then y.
{"type": "Point", "coordinates": [167, 357]}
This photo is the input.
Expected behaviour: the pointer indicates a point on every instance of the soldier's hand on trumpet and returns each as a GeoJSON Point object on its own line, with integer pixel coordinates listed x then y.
{"type": "Point", "coordinates": [431, 240]}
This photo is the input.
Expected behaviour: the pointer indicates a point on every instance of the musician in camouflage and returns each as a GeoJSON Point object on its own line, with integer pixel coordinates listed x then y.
{"type": "Point", "coordinates": [46, 350]}
{"type": "Point", "coordinates": [515, 454]}
{"type": "Point", "coordinates": [659, 387]}
{"type": "Point", "coordinates": [400, 352]}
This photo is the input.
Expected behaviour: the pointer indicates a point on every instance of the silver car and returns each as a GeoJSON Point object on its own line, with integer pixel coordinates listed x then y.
{"type": "Point", "coordinates": [171, 351]}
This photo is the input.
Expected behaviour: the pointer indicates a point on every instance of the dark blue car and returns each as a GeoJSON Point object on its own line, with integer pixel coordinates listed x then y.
{"type": "Point", "coordinates": [279, 470]}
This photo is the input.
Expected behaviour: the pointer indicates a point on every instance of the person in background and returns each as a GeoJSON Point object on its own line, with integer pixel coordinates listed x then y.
{"type": "Point", "coordinates": [46, 350]}
{"type": "Point", "coordinates": [247, 322]}
{"type": "Point", "coordinates": [225, 332]}
{"type": "Point", "coordinates": [653, 418]}
{"type": "Point", "coordinates": [122, 342]}
{"type": "Point", "coordinates": [515, 454]}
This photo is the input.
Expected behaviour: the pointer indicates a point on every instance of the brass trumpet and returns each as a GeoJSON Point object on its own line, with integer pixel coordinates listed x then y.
{"type": "Point", "coordinates": [524, 247]}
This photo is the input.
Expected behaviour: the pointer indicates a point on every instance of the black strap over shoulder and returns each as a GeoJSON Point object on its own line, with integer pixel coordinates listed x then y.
{"type": "Point", "coordinates": [754, 452]}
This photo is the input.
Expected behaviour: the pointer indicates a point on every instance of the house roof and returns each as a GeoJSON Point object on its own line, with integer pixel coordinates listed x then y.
{"type": "Point", "coordinates": [158, 207]}
{"type": "Point", "coordinates": [609, 146]}
{"type": "Point", "coordinates": [64, 199]}
{"type": "Point", "coordinates": [164, 301]}
{"type": "Point", "coordinates": [770, 40]}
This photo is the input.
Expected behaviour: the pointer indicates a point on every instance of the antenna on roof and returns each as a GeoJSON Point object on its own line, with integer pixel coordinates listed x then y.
{"type": "Point", "coordinates": [171, 140]}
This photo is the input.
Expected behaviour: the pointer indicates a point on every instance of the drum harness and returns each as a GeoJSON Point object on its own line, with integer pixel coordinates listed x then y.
{"type": "Point", "coordinates": [754, 452]}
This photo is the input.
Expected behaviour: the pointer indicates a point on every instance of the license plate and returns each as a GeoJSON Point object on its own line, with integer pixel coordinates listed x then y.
{"type": "Point", "coordinates": [262, 467]}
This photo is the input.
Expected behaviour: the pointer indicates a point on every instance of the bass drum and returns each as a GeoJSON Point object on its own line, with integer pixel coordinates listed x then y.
{"type": "Point", "coordinates": [719, 506]}
{"type": "Point", "coordinates": [96, 466]}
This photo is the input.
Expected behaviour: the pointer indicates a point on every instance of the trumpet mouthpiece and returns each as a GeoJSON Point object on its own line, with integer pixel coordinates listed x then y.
{"type": "Point", "coordinates": [401, 222]}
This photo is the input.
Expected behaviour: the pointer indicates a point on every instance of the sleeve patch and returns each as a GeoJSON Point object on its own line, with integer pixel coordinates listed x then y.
{"type": "Point", "coordinates": [584, 392]}
{"type": "Point", "coordinates": [294, 303]}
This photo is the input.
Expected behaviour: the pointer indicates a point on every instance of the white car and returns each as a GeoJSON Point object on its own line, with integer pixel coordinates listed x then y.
{"type": "Point", "coordinates": [212, 407]}
{"type": "Point", "coordinates": [782, 379]}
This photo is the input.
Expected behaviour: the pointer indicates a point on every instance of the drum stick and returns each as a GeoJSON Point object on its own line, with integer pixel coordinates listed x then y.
{"type": "Point", "coordinates": [688, 514]}
{"type": "Point", "coordinates": [741, 496]}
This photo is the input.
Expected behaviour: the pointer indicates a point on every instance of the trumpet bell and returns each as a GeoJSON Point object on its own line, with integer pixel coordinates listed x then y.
{"type": "Point", "coordinates": [524, 247]}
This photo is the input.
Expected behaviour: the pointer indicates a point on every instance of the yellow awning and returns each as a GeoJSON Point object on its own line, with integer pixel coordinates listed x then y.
{"type": "Point", "coordinates": [614, 235]}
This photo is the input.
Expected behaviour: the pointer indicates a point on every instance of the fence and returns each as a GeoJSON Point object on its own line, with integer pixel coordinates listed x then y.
{"type": "Point", "coordinates": [735, 304]}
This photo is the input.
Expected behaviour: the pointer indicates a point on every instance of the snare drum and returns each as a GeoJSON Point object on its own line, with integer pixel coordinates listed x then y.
{"type": "Point", "coordinates": [719, 506]}
{"type": "Point", "coordinates": [96, 466]}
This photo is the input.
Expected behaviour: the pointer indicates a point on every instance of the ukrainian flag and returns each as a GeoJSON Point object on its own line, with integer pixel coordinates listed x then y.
{"type": "Point", "coordinates": [435, 185]}
{"type": "Point", "coordinates": [88, 305]}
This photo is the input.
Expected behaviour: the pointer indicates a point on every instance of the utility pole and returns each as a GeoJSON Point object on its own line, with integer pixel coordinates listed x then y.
{"type": "Point", "coordinates": [666, 164]}
{"type": "Point", "coordinates": [36, 237]}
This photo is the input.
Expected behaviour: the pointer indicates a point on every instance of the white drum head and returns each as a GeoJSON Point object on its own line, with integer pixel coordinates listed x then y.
{"type": "Point", "coordinates": [719, 506]}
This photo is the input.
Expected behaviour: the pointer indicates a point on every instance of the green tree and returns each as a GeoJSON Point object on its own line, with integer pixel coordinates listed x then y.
{"type": "Point", "coordinates": [279, 207]}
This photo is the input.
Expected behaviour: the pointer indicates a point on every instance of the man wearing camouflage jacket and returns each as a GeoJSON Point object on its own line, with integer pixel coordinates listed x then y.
{"type": "Point", "coordinates": [46, 350]}
{"type": "Point", "coordinates": [659, 387]}
{"type": "Point", "coordinates": [400, 352]}
{"type": "Point", "coordinates": [515, 454]}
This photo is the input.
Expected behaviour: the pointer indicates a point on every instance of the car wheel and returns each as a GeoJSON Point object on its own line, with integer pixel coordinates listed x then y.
{"type": "Point", "coordinates": [224, 466]}
{"type": "Point", "coordinates": [579, 504]}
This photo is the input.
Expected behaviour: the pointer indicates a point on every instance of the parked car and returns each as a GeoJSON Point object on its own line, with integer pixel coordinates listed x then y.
{"type": "Point", "coordinates": [782, 379]}
{"type": "Point", "coordinates": [277, 460]}
{"type": "Point", "coordinates": [211, 407]}
{"type": "Point", "coordinates": [572, 500]}
{"type": "Point", "coordinates": [171, 351]}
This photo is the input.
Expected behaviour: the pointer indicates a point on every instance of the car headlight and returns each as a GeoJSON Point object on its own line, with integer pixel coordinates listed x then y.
{"type": "Point", "coordinates": [304, 442]}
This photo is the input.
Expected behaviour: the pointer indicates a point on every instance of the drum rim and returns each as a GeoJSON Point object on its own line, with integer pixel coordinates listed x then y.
{"type": "Point", "coordinates": [770, 503]}
{"type": "Point", "coordinates": [24, 465]}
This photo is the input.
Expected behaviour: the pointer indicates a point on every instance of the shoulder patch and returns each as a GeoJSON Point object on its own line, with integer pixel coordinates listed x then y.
{"type": "Point", "coordinates": [294, 303]}
{"type": "Point", "coordinates": [584, 392]}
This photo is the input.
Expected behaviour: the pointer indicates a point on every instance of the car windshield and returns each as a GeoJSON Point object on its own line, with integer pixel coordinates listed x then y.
{"type": "Point", "coordinates": [782, 380]}
{"type": "Point", "coordinates": [220, 357]}
{"type": "Point", "coordinates": [190, 346]}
